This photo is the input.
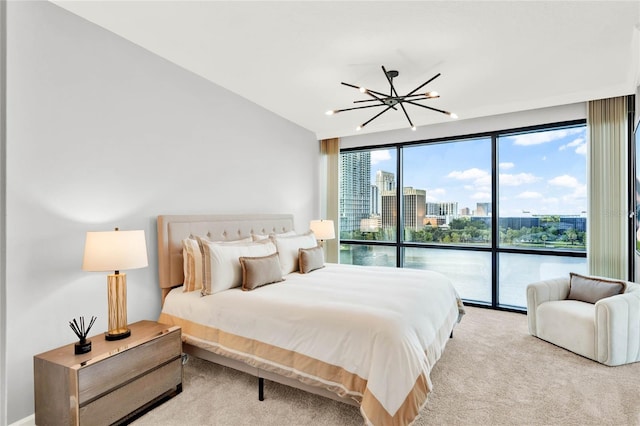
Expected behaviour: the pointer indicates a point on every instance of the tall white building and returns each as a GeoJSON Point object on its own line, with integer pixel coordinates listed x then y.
{"type": "Point", "coordinates": [355, 189]}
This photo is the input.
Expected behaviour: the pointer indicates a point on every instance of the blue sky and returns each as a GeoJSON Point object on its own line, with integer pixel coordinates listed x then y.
{"type": "Point", "coordinates": [540, 173]}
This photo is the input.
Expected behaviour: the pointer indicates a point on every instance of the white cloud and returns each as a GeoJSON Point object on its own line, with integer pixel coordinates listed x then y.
{"type": "Point", "coordinates": [516, 180]}
{"type": "Point", "coordinates": [473, 173]}
{"type": "Point", "coordinates": [379, 156]}
{"type": "Point", "coordinates": [435, 194]}
{"type": "Point", "coordinates": [507, 166]}
{"type": "Point", "coordinates": [565, 181]}
{"type": "Point", "coordinates": [538, 138]}
{"type": "Point", "coordinates": [478, 176]}
{"type": "Point", "coordinates": [579, 144]}
{"type": "Point", "coordinates": [529, 195]}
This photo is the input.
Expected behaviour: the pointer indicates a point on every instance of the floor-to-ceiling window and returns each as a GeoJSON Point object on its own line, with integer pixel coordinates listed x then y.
{"type": "Point", "coordinates": [493, 211]}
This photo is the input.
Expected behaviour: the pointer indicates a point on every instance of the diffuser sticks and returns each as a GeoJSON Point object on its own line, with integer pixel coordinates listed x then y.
{"type": "Point", "coordinates": [78, 327]}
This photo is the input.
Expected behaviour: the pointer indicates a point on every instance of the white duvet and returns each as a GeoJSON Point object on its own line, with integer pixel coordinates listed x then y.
{"type": "Point", "coordinates": [379, 330]}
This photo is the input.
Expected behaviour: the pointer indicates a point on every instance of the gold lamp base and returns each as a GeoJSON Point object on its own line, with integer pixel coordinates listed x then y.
{"type": "Point", "coordinates": [117, 298]}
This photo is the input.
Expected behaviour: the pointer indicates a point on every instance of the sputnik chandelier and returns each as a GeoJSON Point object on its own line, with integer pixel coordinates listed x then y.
{"type": "Point", "coordinates": [392, 100]}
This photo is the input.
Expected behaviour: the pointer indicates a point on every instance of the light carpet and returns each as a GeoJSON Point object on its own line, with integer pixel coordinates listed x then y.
{"type": "Point", "coordinates": [491, 373]}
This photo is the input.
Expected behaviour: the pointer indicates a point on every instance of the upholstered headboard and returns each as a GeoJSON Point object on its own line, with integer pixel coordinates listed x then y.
{"type": "Point", "coordinates": [172, 229]}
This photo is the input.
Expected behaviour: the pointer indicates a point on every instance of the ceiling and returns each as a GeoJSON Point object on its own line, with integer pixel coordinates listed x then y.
{"type": "Point", "coordinates": [290, 57]}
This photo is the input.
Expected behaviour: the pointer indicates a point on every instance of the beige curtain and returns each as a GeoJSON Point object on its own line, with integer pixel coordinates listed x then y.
{"type": "Point", "coordinates": [329, 153]}
{"type": "Point", "coordinates": [608, 177]}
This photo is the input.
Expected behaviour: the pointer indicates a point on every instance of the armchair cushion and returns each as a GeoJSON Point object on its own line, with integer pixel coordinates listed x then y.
{"type": "Point", "coordinates": [592, 289]}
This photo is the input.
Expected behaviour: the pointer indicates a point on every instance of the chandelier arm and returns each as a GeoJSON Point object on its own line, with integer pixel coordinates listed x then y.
{"type": "Point", "coordinates": [428, 107]}
{"type": "Point", "coordinates": [360, 107]}
{"type": "Point", "coordinates": [423, 84]}
{"type": "Point", "coordinates": [405, 114]}
{"type": "Point", "coordinates": [369, 92]}
{"type": "Point", "coordinates": [408, 98]}
{"type": "Point", "coordinates": [390, 80]}
{"type": "Point", "coordinates": [375, 116]}
{"type": "Point", "coordinates": [373, 100]}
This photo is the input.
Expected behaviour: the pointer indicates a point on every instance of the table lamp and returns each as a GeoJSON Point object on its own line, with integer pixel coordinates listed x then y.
{"type": "Point", "coordinates": [115, 251]}
{"type": "Point", "coordinates": [323, 229]}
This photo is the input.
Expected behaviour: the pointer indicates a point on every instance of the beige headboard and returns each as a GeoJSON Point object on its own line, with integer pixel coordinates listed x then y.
{"type": "Point", "coordinates": [172, 229]}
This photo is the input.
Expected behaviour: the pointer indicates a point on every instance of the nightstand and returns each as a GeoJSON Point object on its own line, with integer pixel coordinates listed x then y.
{"type": "Point", "coordinates": [112, 383]}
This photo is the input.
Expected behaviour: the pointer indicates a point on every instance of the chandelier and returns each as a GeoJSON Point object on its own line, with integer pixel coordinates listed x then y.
{"type": "Point", "coordinates": [392, 100]}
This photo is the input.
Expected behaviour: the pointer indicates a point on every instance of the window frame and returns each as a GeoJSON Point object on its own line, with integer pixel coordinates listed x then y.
{"type": "Point", "coordinates": [494, 248]}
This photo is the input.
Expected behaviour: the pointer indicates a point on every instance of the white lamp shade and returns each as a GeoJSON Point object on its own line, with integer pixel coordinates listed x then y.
{"type": "Point", "coordinates": [114, 251]}
{"type": "Point", "coordinates": [323, 229]}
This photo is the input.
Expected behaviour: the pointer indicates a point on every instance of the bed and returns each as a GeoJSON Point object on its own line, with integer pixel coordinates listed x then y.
{"type": "Point", "coordinates": [366, 336]}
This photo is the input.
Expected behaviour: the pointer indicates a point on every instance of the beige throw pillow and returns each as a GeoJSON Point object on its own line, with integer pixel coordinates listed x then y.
{"type": "Point", "coordinates": [591, 289]}
{"type": "Point", "coordinates": [259, 271]}
{"type": "Point", "coordinates": [310, 259]}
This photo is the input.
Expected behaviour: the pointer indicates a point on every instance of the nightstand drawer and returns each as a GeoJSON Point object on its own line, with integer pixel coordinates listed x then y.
{"type": "Point", "coordinates": [119, 403]}
{"type": "Point", "coordinates": [101, 377]}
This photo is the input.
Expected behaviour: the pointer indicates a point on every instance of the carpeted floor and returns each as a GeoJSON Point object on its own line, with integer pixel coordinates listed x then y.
{"type": "Point", "coordinates": [491, 373]}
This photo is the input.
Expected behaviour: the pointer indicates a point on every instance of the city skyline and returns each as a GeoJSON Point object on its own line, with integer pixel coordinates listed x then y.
{"type": "Point", "coordinates": [540, 173]}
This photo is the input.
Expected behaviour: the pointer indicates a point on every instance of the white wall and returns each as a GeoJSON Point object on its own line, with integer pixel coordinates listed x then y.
{"type": "Point", "coordinates": [101, 133]}
{"type": "Point", "coordinates": [3, 146]}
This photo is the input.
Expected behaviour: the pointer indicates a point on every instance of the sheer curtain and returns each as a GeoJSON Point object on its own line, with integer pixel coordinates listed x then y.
{"type": "Point", "coordinates": [329, 153]}
{"type": "Point", "coordinates": [608, 177]}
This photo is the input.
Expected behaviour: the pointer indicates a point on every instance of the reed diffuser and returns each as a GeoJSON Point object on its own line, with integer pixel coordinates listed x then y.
{"type": "Point", "coordinates": [78, 327]}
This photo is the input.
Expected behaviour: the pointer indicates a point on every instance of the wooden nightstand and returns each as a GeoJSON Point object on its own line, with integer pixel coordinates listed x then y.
{"type": "Point", "coordinates": [115, 381]}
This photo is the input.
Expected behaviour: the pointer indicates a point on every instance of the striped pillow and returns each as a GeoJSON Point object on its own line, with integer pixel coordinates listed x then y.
{"type": "Point", "coordinates": [192, 262]}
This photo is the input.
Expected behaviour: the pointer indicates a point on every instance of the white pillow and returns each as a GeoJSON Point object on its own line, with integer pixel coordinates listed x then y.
{"type": "Point", "coordinates": [222, 269]}
{"type": "Point", "coordinates": [288, 249]}
{"type": "Point", "coordinates": [260, 237]}
{"type": "Point", "coordinates": [192, 253]}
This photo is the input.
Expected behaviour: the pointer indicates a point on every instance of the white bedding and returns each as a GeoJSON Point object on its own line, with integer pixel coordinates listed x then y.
{"type": "Point", "coordinates": [371, 333]}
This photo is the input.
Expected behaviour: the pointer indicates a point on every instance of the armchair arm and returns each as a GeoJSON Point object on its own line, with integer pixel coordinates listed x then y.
{"type": "Point", "coordinates": [544, 291]}
{"type": "Point", "coordinates": [618, 329]}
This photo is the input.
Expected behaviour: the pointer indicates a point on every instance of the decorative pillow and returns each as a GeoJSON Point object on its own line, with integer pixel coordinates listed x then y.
{"type": "Point", "coordinates": [192, 253]}
{"type": "Point", "coordinates": [592, 289]}
{"type": "Point", "coordinates": [288, 247]}
{"type": "Point", "coordinates": [310, 259]}
{"type": "Point", "coordinates": [222, 269]}
{"type": "Point", "coordinates": [192, 262]}
{"type": "Point", "coordinates": [260, 237]}
{"type": "Point", "coordinates": [259, 271]}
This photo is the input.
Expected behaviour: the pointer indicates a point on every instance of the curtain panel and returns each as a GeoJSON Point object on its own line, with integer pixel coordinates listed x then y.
{"type": "Point", "coordinates": [607, 187]}
{"type": "Point", "coordinates": [329, 156]}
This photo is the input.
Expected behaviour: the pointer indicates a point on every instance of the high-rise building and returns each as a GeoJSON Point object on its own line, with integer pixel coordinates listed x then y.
{"type": "Point", "coordinates": [376, 199]}
{"type": "Point", "coordinates": [414, 207]}
{"type": "Point", "coordinates": [483, 209]}
{"type": "Point", "coordinates": [385, 181]}
{"type": "Point", "coordinates": [442, 212]}
{"type": "Point", "coordinates": [355, 189]}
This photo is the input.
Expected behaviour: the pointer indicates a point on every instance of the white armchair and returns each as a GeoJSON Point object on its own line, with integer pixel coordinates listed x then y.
{"type": "Point", "coordinates": [607, 331]}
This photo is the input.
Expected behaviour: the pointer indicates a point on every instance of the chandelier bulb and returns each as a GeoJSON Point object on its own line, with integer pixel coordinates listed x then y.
{"type": "Point", "coordinates": [363, 90]}
{"type": "Point", "coordinates": [413, 128]}
{"type": "Point", "coordinates": [453, 115]}
{"type": "Point", "coordinates": [432, 94]}
{"type": "Point", "coordinates": [330, 112]}
{"type": "Point", "coordinates": [358, 128]}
